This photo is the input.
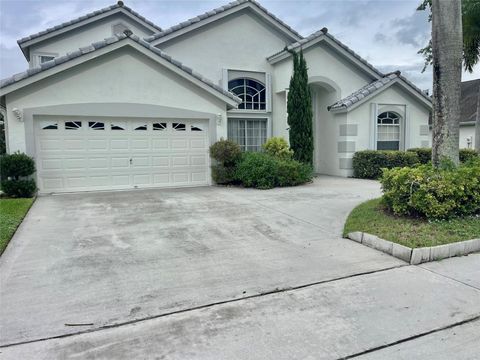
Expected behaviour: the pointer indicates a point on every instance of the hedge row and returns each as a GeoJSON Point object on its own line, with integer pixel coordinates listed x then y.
{"type": "Point", "coordinates": [368, 164]}
{"type": "Point", "coordinates": [425, 154]}
{"type": "Point", "coordinates": [433, 193]}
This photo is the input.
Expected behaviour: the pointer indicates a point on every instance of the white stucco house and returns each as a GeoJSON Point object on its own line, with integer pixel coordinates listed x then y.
{"type": "Point", "coordinates": [112, 101]}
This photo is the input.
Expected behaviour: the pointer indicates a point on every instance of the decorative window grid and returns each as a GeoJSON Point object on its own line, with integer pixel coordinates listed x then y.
{"type": "Point", "coordinates": [73, 125]}
{"type": "Point", "coordinates": [250, 134]}
{"type": "Point", "coordinates": [252, 93]}
{"type": "Point", "coordinates": [388, 131]}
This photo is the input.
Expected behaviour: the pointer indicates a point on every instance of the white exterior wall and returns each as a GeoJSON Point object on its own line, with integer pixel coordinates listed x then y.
{"type": "Point", "coordinates": [123, 76]}
{"type": "Point", "coordinates": [241, 41]}
{"type": "Point", "coordinates": [84, 36]}
{"type": "Point", "coordinates": [327, 68]}
{"type": "Point", "coordinates": [395, 99]}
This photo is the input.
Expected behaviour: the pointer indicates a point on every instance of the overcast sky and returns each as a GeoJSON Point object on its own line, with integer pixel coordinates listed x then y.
{"type": "Point", "coordinates": [387, 33]}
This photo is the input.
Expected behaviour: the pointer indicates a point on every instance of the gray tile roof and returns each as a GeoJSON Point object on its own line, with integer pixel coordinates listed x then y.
{"type": "Point", "coordinates": [85, 17]}
{"type": "Point", "coordinates": [213, 12]}
{"type": "Point", "coordinates": [101, 44]}
{"type": "Point", "coordinates": [318, 34]}
{"type": "Point", "coordinates": [372, 88]}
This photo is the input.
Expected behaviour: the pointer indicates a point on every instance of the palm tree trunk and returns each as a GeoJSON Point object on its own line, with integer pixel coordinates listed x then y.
{"type": "Point", "coordinates": [447, 74]}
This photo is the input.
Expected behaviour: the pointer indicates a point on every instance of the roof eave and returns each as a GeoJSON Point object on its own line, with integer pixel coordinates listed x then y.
{"type": "Point", "coordinates": [400, 81]}
{"type": "Point", "coordinates": [174, 66]}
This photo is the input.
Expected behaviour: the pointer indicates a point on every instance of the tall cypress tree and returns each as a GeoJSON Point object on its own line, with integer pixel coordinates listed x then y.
{"type": "Point", "coordinates": [299, 110]}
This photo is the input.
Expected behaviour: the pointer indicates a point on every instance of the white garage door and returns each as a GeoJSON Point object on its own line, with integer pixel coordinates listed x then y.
{"type": "Point", "coordinates": [98, 154]}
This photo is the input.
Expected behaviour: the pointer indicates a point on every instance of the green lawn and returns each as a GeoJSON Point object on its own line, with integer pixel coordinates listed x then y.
{"type": "Point", "coordinates": [12, 212]}
{"type": "Point", "coordinates": [371, 218]}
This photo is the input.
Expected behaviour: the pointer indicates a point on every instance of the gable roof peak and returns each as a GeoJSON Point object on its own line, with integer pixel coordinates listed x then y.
{"type": "Point", "coordinates": [119, 4]}
{"type": "Point", "coordinates": [221, 11]}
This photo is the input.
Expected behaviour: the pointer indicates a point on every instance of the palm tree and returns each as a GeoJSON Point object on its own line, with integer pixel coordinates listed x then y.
{"type": "Point", "coordinates": [471, 46]}
{"type": "Point", "coordinates": [447, 76]}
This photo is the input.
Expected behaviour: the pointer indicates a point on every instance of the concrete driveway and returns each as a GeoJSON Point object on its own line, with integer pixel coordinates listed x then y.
{"type": "Point", "coordinates": [207, 272]}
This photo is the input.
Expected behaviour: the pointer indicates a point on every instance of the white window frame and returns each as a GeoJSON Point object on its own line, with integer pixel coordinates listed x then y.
{"type": "Point", "coordinates": [253, 75]}
{"type": "Point", "coordinates": [398, 125]}
{"type": "Point", "coordinates": [260, 119]}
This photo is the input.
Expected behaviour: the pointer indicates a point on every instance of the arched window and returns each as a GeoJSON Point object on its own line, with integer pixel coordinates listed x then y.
{"type": "Point", "coordinates": [252, 93]}
{"type": "Point", "coordinates": [388, 131]}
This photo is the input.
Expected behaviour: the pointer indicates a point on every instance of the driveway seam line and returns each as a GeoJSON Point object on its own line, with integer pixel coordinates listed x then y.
{"type": "Point", "coordinates": [451, 278]}
{"type": "Point", "coordinates": [410, 338]}
{"type": "Point", "coordinates": [200, 307]}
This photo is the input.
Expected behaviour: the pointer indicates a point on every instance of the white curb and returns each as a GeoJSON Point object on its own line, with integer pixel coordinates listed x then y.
{"type": "Point", "coordinates": [416, 256]}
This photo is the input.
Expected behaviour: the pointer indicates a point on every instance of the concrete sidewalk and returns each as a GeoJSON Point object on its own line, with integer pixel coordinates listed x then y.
{"type": "Point", "coordinates": [403, 313]}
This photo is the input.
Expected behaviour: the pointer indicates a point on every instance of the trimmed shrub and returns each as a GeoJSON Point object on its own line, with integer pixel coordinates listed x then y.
{"type": "Point", "coordinates": [433, 193]}
{"type": "Point", "coordinates": [226, 152]}
{"type": "Point", "coordinates": [257, 170]}
{"type": "Point", "coordinates": [468, 154]}
{"type": "Point", "coordinates": [278, 147]}
{"type": "Point", "coordinates": [16, 165]}
{"type": "Point", "coordinates": [292, 173]}
{"type": "Point", "coordinates": [19, 188]}
{"type": "Point", "coordinates": [16, 171]}
{"type": "Point", "coordinates": [263, 171]}
{"type": "Point", "coordinates": [368, 164]}
{"type": "Point", "coordinates": [223, 175]}
{"type": "Point", "coordinates": [424, 154]}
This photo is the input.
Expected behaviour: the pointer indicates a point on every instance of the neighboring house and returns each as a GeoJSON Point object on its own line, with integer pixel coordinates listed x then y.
{"type": "Point", "coordinates": [140, 105]}
{"type": "Point", "coordinates": [469, 100]}
{"type": "Point", "coordinates": [469, 106]}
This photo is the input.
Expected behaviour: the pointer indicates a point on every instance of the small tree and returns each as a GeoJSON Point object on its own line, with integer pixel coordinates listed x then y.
{"type": "Point", "coordinates": [299, 110]}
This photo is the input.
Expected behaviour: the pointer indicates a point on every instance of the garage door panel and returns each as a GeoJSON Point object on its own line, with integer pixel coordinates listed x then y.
{"type": "Point", "coordinates": [76, 182]}
{"type": "Point", "coordinates": [75, 163]}
{"type": "Point", "coordinates": [161, 179]}
{"type": "Point", "coordinates": [121, 180]}
{"type": "Point", "coordinates": [180, 178]}
{"type": "Point", "coordinates": [179, 144]}
{"type": "Point", "coordinates": [121, 162]}
{"type": "Point", "coordinates": [198, 160]}
{"type": "Point", "coordinates": [52, 183]}
{"type": "Point", "coordinates": [141, 179]}
{"type": "Point", "coordinates": [97, 181]}
{"type": "Point", "coordinates": [119, 144]}
{"type": "Point", "coordinates": [197, 143]}
{"type": "Point", "coordinates": [160, 144]}
{"type": "Point", "coordinates": [140, 144]}
{"type": "Point", "coordinates": [97, 144]}
{"type": "Point", "coordinates": [117, 156]}
{"type": "Point", "coordinates": [161, 161]}
{"type": "Point", "coordinates": [51, 145]}
{"type": "Point", "coordinates": [70, 144]}
{"type": "Point", "coordinates": [138, 161]}
{"type": "Point", "coordinates": [51, 164]}
{"type": "Point", "coordinates": [179, 160]}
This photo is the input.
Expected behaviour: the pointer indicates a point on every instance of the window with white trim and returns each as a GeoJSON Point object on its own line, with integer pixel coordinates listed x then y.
{"type": "Point", "coordinates": [250, 134]}
{"type": "Point", "coordinates": [388, 131]}
{"type": "Point", "coordinates": [252, 92]}
{"type": "Point", "coordinates": [45, 58]}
